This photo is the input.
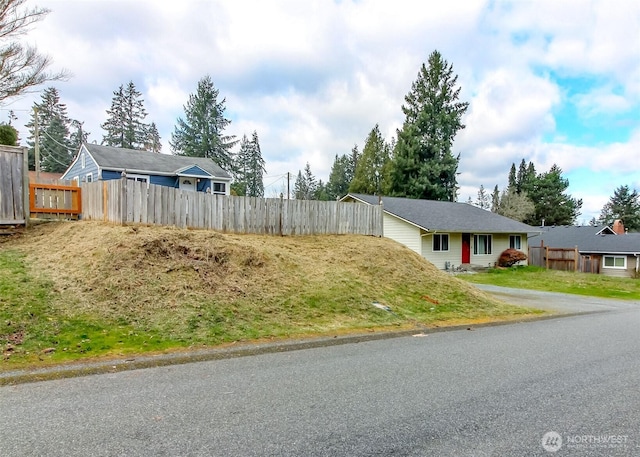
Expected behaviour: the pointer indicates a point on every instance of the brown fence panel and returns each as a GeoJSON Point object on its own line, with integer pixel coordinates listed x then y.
{"type": "Point", "coordinates": [55, 201]}
{"type": "Point", "coordinates": [128, 201]}
{"type": "Point", "coordinates": [14, 181]}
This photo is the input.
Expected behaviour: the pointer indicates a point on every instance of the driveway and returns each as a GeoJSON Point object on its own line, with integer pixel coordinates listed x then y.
{"type": "Point", "coordinates": [553, 301]}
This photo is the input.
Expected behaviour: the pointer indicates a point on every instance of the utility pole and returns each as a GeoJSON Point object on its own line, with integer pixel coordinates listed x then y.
{"type": "Point", "coordinates": [37, 145]}
{"type": "Point", "coordinates": [288, 181]}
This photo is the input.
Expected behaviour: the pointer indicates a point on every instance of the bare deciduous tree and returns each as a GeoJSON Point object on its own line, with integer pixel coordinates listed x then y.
{"type": "Point", "coordinates": [21, 66]}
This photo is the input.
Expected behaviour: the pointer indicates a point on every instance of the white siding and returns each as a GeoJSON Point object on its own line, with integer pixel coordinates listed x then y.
{"type": "Point", "coordinates": [402, 232]}
{"type": "Point", "coordinates": [500, 242]}
{"type": "Point", "coordinates": [439, 258]}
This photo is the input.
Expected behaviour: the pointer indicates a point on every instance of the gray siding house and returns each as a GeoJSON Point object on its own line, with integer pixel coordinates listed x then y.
{"type": "Point", "coordinates": [95, 162]}
{"type": "Point", "coordinates": [616, 252]}
{"type": "Point", "coordinates": [448, 234]}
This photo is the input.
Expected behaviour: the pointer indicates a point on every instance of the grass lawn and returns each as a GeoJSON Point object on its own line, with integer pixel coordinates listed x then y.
{"type": "Point", "coordinates": [81, 290]}
{"type": "Point", "coordinates": [537, 278]}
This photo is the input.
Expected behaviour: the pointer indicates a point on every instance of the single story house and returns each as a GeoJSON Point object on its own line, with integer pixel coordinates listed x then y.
{"type": "Point", "coordinates": [448, 234]}
{"type": "Point", "coordinates": [612, 250]}
{"type": "Point", "coordinates": [95, 162]}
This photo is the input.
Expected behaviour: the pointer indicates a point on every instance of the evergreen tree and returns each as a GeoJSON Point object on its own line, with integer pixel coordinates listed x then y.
{"type": "Point", "coordinates": [124, 126]}
{"type": "Point", "coordinates": [78, 136]}
{"type": "Point", "coordinates": [370, 169]}
{"type": "Point", "coordinates": [44, 113]}
{"type": "Point", "coordinates": [552, 204]}
{"type": "Point", "coordinates": [484, 200]}
{"type": "Point", "coordinates": [201, 133]}
{"type": "Point", "coordinates": [623, 205]}
{"type": "Point", "coordinates": [8, 135]}
{"type": "Point", "coordinates": [153, 142]}
{"type": "Point", "coordinates": [56, 151]}
{"type": "Point", "coordinates": [255, 168]}
{"type": "Point", "coordinates": [423, 164]}
{"type": "Point", "coordinates": [495, 200]}
{"type": "Point", "coordinates": [249, 168]}
{"type": "Point", "coordinates": [305, 186]}
{"type": "Point", "coordinates": [513, 180]}
{"type": "Point", "coordinates": [321, 193]}
{"type": "Point", "coordinates": [241, 167]}
{"type": "Point", "coordinates": [338, 185]}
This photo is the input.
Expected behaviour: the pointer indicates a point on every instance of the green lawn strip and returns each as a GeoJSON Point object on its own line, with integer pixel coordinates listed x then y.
{"type": "Point", "coordinates": [36, 330]}
{"type": "Point", "coordinates": [536, 278]}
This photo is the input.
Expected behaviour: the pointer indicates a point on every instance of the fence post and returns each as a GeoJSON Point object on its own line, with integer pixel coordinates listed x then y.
{"type": "Point", "coordinates": [575, 259]}
{"type": "Point", "coordinates": [25, 186]}
{"type": "Point", "coordinates": [123, 200]}
{"type": "Point", "coordinates": [546, 257]}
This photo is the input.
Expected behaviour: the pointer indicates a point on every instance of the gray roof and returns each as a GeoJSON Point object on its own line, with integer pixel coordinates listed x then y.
{"type": "Point", "coordinates": [119, 159]}
{"type": "Point", "coordinates": [441, 216]}
{"type": "Point", "coordinates": [588, 239]}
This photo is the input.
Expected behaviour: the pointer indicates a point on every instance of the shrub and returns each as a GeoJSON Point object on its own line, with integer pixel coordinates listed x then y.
{"type": "Point", "coordinates": [510, 257]}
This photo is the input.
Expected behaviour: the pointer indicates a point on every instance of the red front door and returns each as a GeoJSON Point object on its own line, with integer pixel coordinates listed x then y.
{"type": "Point", "coordinates": [466, 248]}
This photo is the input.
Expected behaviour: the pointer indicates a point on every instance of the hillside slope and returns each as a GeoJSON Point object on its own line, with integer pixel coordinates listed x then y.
{"type": "Point", "coordinates": [128, 289]}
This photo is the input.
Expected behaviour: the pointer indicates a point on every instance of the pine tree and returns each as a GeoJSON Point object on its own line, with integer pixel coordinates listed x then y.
{"type": "Point", "coordinates": [423, 164]}
{"type": "Point", "coordinates": [78, 136]}
{"type": "Point", "coordinates": [241, 167]}
{"type": "Point", "coordinates": [483, 200]}
{"type": "Point", "coordinates": [495, 200]}
{"type": "Point", "coordinates": [623, 205]}
{"type": "Point", "coordinates": [513, 180]}
{"type": "Point", "coordinates": [339, 178]}
{"type": "Point", "coordinates": [552, 204]}
{"type": "Point", "coordinates": [153, 142]}
{"type": "Point", "coordinates": [124, 126]}
{"type": "Point", "coordinates": [370, 169]}
{"type": "Point", "coordinates": [44, 113]}
{"type": "Point", "coordinates": [201, 133]}
{"type": "Point", "coordinates": [305, 186]}
{"type": "Point", "coordinates": [56, 151]}
{"type": "Point", "coordinates": [255, 168]}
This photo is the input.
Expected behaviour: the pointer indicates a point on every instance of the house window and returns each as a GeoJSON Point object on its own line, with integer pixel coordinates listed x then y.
{"type": "Point", "coordinates": [515, 242]}
{"type": "Point", "coordinates": [481, 244]}
{"type": "Point", "coordinates": [612, 261]}
{"type": "Point", "coordinates": [440, 242]}
{"type": "Point", "coordinates": [83, 162]}
{"type": "Point", "coordinates": [89, 177]}
{"type": "Point", "coordinates": [219, 188]}
{"type": "Point", "coordinates": [139, 178]}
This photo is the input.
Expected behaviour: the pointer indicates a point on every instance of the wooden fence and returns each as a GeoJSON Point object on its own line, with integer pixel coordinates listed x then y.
{"type": "Point", "coordinates": [564, 259]}
{"type": "Point", "coordinates": [53, 201]}
{"type": "Point", "coordinates": [14, 183]}
{"type": "Point", "coordinates": [128, 201]}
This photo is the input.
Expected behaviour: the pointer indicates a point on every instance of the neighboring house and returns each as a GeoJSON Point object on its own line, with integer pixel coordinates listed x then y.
{"type": "Point", "coordinates": [95, 162]}
{"type": "Point", "coordinates": [448, 234]}
{"type": "Point", "coordinates": [44, 177]}
{"type": "Point", "coordinates": [614, 252]}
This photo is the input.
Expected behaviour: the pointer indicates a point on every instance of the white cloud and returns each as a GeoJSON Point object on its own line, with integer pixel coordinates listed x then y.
{"type": "Point", "coordinates": [312, 78]}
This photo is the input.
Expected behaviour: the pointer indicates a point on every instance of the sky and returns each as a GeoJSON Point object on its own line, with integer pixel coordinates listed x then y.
{"type": "Point", "coordinates": [547, 81]}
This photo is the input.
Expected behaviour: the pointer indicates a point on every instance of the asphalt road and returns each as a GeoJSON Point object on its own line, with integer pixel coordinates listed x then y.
{"type": "Point", "coordinates": [493, 391]}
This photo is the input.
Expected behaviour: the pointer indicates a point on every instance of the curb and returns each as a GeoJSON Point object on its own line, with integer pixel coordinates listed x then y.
{"type": "Point", "coordinates": [78, 369]}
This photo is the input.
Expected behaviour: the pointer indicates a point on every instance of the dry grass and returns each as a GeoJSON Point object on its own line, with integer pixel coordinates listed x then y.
{"type": "Point", "coordinates": [193, 287]}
